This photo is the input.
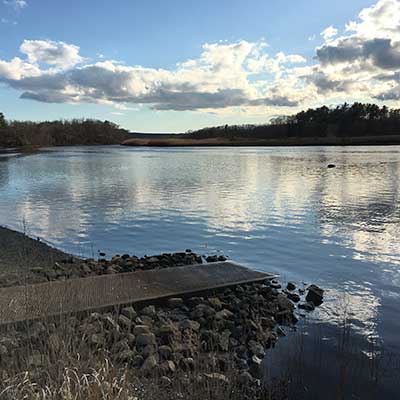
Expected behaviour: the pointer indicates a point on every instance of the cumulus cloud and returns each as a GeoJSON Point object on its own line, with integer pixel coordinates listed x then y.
{"type": "Point", "coordinates": [219, 78]}
{"type": "Point", "coordinates": [58, 54]}
{"type": "Point", "coordinates": [363, 63]}
{"type": "Point", "coordinates": [329, 33]}
{"type": "Point", "coordinates": [354, 63]}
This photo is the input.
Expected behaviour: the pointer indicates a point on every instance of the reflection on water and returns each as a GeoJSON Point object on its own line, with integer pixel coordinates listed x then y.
{"type": "Point", "coordinates": [275, 209]}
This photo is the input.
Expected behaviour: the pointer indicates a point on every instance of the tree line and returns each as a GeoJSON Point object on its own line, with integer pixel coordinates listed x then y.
{"type": "Point", "coordinates": [59, 133]}
{"type": "Point", "coordinates": [345, 120]}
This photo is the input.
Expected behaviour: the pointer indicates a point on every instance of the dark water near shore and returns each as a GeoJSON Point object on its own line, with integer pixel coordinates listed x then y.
{"type": "Point", "coordinates": [274, 209]}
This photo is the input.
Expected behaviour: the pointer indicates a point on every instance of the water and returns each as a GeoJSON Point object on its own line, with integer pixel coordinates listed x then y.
{"type": "Point", "coordinates": [274, 209]}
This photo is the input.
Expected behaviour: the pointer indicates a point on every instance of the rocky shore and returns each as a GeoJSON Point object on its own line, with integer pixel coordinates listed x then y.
{"type": "Point", "coordinates": [217, 336]}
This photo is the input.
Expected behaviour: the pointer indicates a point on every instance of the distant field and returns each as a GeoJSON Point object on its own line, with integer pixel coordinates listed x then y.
{"type": "Point", "coordinates": [332, 141]}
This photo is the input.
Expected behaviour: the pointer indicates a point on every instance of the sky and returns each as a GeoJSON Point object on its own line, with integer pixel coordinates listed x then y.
{"type": "Point", "coordinates": [172, 66]}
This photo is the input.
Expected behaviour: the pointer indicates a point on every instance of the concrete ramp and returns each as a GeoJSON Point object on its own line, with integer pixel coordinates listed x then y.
{"type": "Point", "coordinates": [94, 293]}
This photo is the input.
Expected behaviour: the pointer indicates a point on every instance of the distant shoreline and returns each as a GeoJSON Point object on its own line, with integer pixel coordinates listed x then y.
{"type": "Point", "coordinates": [243, 142]}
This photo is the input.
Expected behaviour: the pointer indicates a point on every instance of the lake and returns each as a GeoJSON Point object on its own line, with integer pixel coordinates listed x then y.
{"type": "Point", "coordinates": [277, 209]}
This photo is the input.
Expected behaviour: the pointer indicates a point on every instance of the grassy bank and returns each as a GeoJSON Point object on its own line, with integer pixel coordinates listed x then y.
{"type": "Point", "coordinates": [237, 142]}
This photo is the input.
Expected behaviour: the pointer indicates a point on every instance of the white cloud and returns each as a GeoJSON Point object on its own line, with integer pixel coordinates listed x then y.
{"type": "Point", "coordinates": [329, 33]}
{"type": "Point", "coordinates": [16, 4]}
{"type": "Point", "coordinates": [58, 54]}
{"type": "Point", "coordinates": [361, 64]}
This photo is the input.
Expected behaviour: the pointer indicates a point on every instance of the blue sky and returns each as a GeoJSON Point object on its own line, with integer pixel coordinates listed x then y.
{"type": "Point", "coordinates": [161, 66]}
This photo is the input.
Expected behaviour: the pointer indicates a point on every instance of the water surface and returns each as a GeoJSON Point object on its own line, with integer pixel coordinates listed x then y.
{"type": "Point", "coordinates": [274, 209]}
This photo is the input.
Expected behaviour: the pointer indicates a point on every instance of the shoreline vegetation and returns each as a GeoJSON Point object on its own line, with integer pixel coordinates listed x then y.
{"type": "Point", "coordinates": [343, 125]}
{"type": "Point", "coordinates": [199, 347]}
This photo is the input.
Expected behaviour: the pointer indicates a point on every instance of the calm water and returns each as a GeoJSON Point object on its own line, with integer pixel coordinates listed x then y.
{"type": "Point", "coordinates": [274, 209]}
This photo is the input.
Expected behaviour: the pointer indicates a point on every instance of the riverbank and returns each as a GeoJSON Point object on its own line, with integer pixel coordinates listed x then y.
{"type": "Point", "coordinates": [238, 142]}
{"type": "Point", "coordinates": [185, 344]}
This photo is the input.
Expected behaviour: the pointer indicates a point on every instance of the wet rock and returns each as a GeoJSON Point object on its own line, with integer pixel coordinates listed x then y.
{"type": "Point", "coordinates": [290, 286]}
{"type": "Point", "coordinates": [315, 294]}
{"type": "Point", "coordinates": [294, 297]}
{"type": "Point", "coordinates": [256, 370]}
{"type": "Point", "coordinates": [308, 306]}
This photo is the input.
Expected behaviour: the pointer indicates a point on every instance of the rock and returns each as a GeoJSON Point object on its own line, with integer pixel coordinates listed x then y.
{"type": "Point", "coordinates": [294, 297]}
{"type": "Point", "coordinates": [141, 329]}
{"type": "Point", "coordinates": [129, 312]}
{"type": "Point", "coordinates": [150, 363]}
{"type": "Point", "coordinates": [165, 352]}
{"type": "Point", "coordinates": [224, 314]}
{"type": "Point", "coordinates": [150, 311]}
{"type": "Point", "coordinates": [308, 306]}
{"type": "Point", "coordinates": [256, 348]}
{"type": "Point", "coordinates": [245, 379]}
{"type": "Point", "coordinates": [290, 286]}
{"type": "Point", "coordinates": [131, 339]}
{"type": "Point", "coordinates": [148, 350]}
{"type": "Point", "coordinates": [283, 303]}
{"type": "Point", "coordinates": [125, 323]}
{"type": "Point", "coordinates": [137, 361]}
{"type": "Point", "coordinates": [190, 325]}
{"type": "Point", "coordinates": [165, 330]}
{"type": "Point", "coordinates": [175, 302]}
{"type": "Point", "coordinates": [168, 367]}
{"type": "Point", "coordinates": [315, 294]}
{"type": "Point", "coordinates": [212, 259]}
{"type": "Point", "coordinates": [145, 339]}
{"type": "Point", "coordinates": [275, 284]}
{"type": "Point", "coordinates": [267, 323]}
{"type": "Point", "coordinates": [222, 258]}
{"type": "Point", "coordinates": [256, 370]}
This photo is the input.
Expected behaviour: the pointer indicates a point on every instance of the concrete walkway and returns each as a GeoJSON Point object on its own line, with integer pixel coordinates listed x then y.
{"type": "Point", "coordinates": [29, 302]}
